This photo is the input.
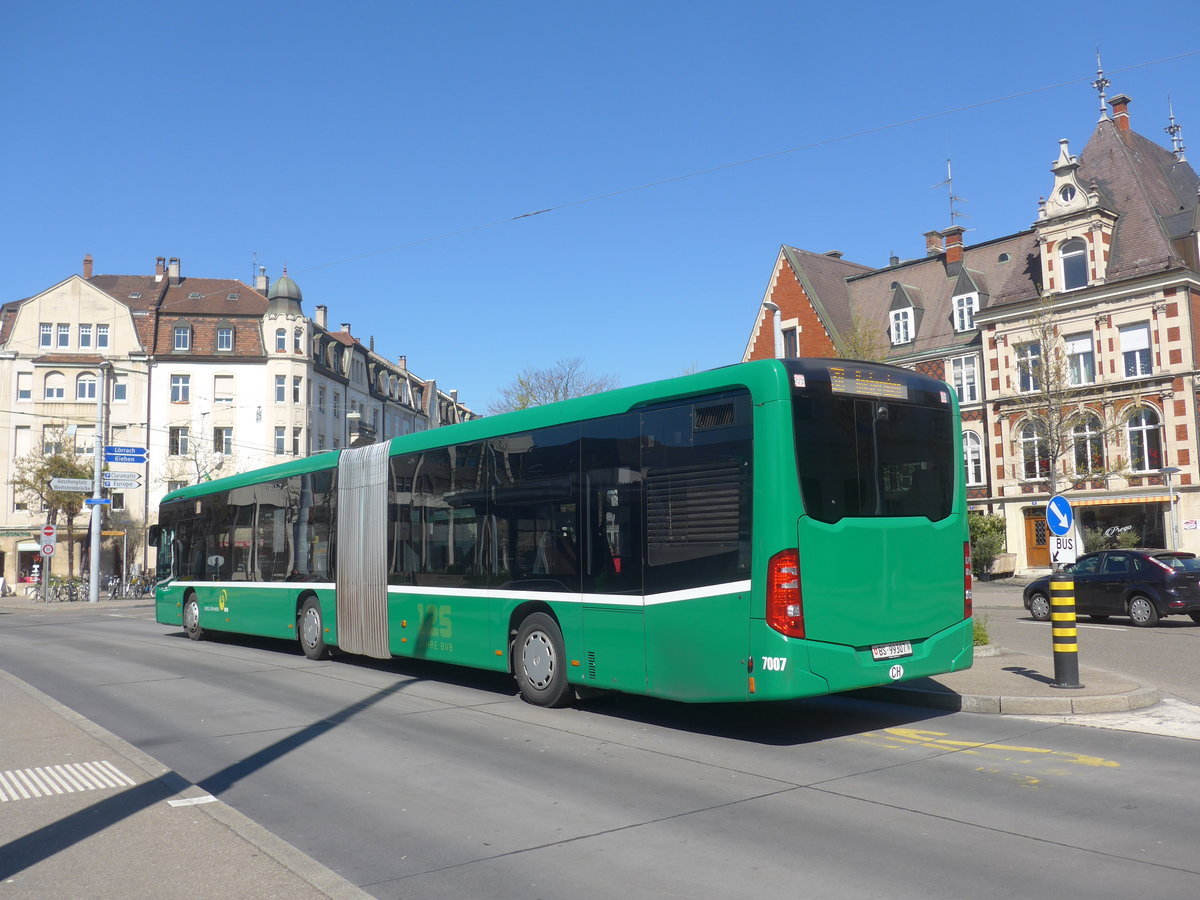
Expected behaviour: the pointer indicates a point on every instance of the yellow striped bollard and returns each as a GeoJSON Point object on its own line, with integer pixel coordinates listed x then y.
{"type": "Point", "coordinates": [1065, 634]}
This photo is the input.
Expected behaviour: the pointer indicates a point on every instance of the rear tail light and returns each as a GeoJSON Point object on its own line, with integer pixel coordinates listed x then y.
{"type": "Point", "coordinates": [785, 606]}
{"type": "Point", "coordinates": [968, 601]}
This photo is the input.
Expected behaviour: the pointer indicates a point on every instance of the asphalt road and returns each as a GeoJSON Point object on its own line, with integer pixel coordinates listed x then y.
{"type": "Point", "coordinates": [1166, 656]}
{"type": "Point", "coordinates": [419, 780]}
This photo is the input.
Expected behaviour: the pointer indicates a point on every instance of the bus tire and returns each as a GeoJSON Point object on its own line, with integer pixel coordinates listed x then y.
{"type": "Point", "coordinates": [191, 618]}
{"type": "Point", "coordinates": [540, 664]}
{"type": "Point", "coordinates": [310, 628]}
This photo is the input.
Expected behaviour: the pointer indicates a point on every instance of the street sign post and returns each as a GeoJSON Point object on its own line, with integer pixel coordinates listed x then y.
{"type": "Point", "coordinates": [48, 549]}
{"type": "Point", "coordinates": [125, 454]}
{"type": "Point", "coordinates": [1064, 549]}
{"type": "Point", "coordinates": [121, 479]}
{"type": "Point", "coordinates": [72, 485]}
{"type": "Point", "coordinates": [49, 534]}
{"type": "Point", "coordinates": [1059, 515]}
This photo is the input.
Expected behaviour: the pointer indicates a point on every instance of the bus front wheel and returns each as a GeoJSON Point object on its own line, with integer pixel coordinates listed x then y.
{"type": "Point", "coordinates": [191, 618]}
{"type": "Point", "coordinates": [311, 631]}
{"type": "Point", "coordinates": [539, 662]}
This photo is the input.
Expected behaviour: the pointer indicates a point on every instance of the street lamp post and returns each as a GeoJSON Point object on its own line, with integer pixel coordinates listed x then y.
{"type": "Point", "coordinates": [1167, 472]}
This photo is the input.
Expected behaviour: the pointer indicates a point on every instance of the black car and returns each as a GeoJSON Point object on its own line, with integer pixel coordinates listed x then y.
{"type": "Point", "coordinates": [1142, 584]}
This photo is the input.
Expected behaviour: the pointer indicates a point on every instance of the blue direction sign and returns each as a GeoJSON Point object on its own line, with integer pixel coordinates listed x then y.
{"type": "Point", "coordinates": [1059, 516]}
{"type": "Point", "coordinates": [98, 501]}
{"type": "Point", "coordinates": [125, 454]}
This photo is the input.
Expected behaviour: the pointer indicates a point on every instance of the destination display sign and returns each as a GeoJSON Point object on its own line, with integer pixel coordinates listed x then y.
{"type": "Point", "coordinates": [866, 383]}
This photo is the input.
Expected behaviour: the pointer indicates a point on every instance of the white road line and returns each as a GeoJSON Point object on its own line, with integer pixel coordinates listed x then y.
{"type": "Point", "coordinates": [67, 778]}
{"type": "Point", "coordinates": [193, 801]}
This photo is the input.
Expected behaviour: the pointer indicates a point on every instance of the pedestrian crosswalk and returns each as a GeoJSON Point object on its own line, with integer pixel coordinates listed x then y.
{"type": "Point", "coordinates": [67, 778]}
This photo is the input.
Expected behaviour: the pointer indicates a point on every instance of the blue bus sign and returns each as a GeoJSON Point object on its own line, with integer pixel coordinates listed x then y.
{"type": "Point", "coordinates": [1059, 516]}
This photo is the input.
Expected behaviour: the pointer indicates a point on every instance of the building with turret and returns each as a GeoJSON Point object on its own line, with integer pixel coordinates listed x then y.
{"type": "Point", "coordinates": [209, 375]}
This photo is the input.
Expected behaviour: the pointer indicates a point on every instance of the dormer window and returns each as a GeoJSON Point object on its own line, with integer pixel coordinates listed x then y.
{"type": "Point", "coordinates": [901, 326]}
{"type": "Point", "coordinates": [1074, 264]}
{"type": "Point", "coordinates": [965, 308]}
{"type": "Point", "coordinates": [183, 337]}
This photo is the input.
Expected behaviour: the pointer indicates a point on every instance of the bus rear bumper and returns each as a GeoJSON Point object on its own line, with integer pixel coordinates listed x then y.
{"type": "Point", "coordinates": [850, 668]}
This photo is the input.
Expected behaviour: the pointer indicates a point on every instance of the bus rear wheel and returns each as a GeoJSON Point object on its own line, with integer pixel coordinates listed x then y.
{"type": "Point", "coordinates": [311, 631]}
{"type": "Point", "coordinates": [539, 662]}
{"type": "Point", "coordinates": [191, 618]}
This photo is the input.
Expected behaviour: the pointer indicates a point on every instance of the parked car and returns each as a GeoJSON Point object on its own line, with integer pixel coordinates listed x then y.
{"type": "Point", "coordinates": [1142, 584]}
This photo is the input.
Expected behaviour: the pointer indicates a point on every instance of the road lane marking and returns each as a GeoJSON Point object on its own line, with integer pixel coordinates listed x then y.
{"type": "Point", "coordinates": [193, 801]}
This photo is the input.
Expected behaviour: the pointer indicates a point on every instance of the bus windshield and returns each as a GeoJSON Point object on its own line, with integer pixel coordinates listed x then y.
{"type": "Point", "coordinates": [873, 456]}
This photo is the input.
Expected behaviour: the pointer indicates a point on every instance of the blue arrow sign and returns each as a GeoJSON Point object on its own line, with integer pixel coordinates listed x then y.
{"type": "Point", "coordinates": [97, 501]}
{"type": "Point", "coordinates": [1059, 516]}
{"type": "Point", "coordinates": [125, 457]}
{"type": "Point", "coordinates": [141, 450]}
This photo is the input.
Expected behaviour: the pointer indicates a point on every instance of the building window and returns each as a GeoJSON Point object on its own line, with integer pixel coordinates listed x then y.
{"type": "Point", "coordinates": [298, 340]}
{"type": "Point", "coordinates": [1087, 441]}
{"type": "Point", "coordinates": [1029, 367]}
{"type": "Point", "coordinates": [337, 405]}
{"type": "Point", "coordinates": [223, 440]}
{"type": "Point", "coordinates": [965, 308]}
{"type": "Point", "coordinates": [280, 340]}
{"type": "Point", "coordinates": [55, 386]}
{"type": "Point", "coordinates": [85, 337]}
{"type": "Point", "coordinates": [297, 388]}
{"type": "Point", "coordinates": [101, 337]}
{"type": "Point", "coordinates": [1135, 349]}
{"type": "Point", "coordinates": [223, 389]}
{"type": "Point", "coordinates": [45, 335]}
{"type": "Point", "coordinates": [963, 372]}
{"type": "Point", "coordinates": [64, 336]}
{"type": "Point", "coordinates": [51, 440]}
{"type": "Point", "coordinates": [973, 457]}
{"type": "Point", "coordinates": [1034, 459]}
{"type": "Point", "coordinates": [176, 485]}
{"type": "Point", "coordinates": [1145, 441]}
{"type": "Point", "coordinates": [183, 337]}
{"type": "Point", "coordinates": [1074, 264]}
{"type": "Point", "coordinates": [901, 326]}
{"type": "Point", "coordinates": [85, 441]}
{"type": "Point", "coordinates": [24, 386]}
{"type": "Point", "coordinates": [280, 438]}
{"type": "Point", "coordinates": [280, 388]}
{"type": "Point", "coordinates": [224, 339]}
{"type": "Point", "coordinates": [791, 343]}
{"type": "Point", "coordinates": [296, 435]}
{"type": "Point", "coordinates": [120, 390]}
{"type": "Point", "coordinates": [181, 388]}
{"type": "Point", "coordinates": [85, 387]}
{"type": "Point", "coordinates": [320, 441]}
{"type": "Point", "coordinates": [1081, 361]}
{"type": "Point", "coordinates": [178, 441]}
{"type": "Point", "coordinates": [118, 500]}
{"type": "Point", "coordinates": [321, 399]}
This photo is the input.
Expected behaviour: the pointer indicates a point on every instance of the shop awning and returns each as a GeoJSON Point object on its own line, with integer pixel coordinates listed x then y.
{"type": "Point", "coordinates": [1113, 501]}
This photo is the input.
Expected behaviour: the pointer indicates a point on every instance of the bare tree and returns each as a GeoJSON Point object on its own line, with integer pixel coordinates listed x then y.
{"type": "Point", "coordinates": [55, 458]}
{"type": "Point", "coordinates": [863, 341]}
{"type": "Point", "coordinates": [536, 387]}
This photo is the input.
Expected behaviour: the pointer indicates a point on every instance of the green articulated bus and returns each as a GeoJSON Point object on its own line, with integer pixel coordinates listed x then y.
{"type": "Point", "coordinates": [770, 530]}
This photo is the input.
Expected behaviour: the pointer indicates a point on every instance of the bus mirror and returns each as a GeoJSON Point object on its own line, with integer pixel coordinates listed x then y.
{"type": "Point", "coordinates": [152, 535]}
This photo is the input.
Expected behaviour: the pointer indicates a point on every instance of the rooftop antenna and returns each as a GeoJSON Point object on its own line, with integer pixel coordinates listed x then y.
{"type": "Point", "coordinates": [1100, 84]}
{"type": "Point", "coordinates": [254, 254]}
{"type": "Point", "coordinates": [1175, 130]}
{"type": "Point", "coordinates": [948, 184]}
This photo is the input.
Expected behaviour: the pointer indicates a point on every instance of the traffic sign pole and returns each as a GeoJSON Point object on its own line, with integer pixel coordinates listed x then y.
{"type": "Point", "coordinates": [1064, 632]}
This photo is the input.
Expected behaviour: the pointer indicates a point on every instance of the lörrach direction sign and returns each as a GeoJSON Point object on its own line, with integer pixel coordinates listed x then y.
{"type": "Point", "coordinates": [125, 454]}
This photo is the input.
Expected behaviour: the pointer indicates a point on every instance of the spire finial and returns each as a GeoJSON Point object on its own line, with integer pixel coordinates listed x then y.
{"type": "Point", "coordinates": [1100, 84]}
{"type": "Point", "coordinates": [1175, 130]}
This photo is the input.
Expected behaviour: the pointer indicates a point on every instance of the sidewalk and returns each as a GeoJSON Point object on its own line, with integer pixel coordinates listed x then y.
{"type": "Point", "coordinates": [87, 814]}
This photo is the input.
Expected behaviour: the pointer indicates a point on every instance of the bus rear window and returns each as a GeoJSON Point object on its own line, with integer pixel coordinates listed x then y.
{"type": "Point", "coordinates": [872, 457]}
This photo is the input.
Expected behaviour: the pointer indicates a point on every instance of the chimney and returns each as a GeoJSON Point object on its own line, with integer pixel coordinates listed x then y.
{"type": "Point", "coordinates": [371, 343]}
{"type": "Point", "coordinates": [173, 271]}
{"type": "Point", "coordinates": [454, 395]}
{"type": "Point", "coordinates": [893, 260]}
{"type": "Point", "coordinates": [836, 254]}
{"type": "Point", "coordinates": [404, 363]}
{"type": "Point", "coordinates": [346, 327]}
{"type": "Point", "coordinates": [933, 243]}
{"type": "Point", "coordinates": [954, 245]}
{"type": "Point", "coordinates": [1120, 106]}
{"type": "Point", "coordinates": [87, 266]}
{"type": "Point", "coordinates": [323, 317]}
{"type": "Point", "coordinates": [160, 263]}
{"type": "Point", "coordinates": [262, 283]}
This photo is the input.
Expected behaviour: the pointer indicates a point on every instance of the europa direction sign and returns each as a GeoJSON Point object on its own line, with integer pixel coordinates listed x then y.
{"type": "Point", "coordinates": [125, 454]}
{"type": "Point", "coordinates": [121, 479]}
{"type": "Point", "coordinates": [72, 485]}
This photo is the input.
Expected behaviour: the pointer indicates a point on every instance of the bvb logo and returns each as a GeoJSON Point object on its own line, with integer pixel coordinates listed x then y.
{"type": "Point", "coordinates": [221, 598]}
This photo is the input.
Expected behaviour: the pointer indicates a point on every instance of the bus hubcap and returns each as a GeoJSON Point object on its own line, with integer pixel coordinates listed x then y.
{"type": "Point", "coordinates": [312, 627]}
{"type": "Point", "coordinates": [537, 658]}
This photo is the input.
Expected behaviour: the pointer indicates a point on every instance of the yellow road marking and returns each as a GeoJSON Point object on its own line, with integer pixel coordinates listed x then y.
{"type": "Point", "coordinates": [938, 740]}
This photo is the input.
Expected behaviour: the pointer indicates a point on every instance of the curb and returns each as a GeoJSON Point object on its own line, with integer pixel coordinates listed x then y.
{"type": "Point", "coordinates": [999, 704]}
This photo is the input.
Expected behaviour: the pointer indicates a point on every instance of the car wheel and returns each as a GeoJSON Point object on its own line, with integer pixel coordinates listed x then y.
{"type": "Point", "coordinates": [1039, 606]}
{"type": "Point", "coordinates": [1142, 611]}
{"type": "Point", "coordinates": [539, 662]}
{"type": "Point", "coordinates": [191, 618]}
{"type": "Point", "coordinates": [310, 629]}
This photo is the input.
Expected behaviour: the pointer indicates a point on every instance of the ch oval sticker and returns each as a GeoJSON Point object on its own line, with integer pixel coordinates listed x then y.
{"type": "Point", "coordinates": [897, 672]}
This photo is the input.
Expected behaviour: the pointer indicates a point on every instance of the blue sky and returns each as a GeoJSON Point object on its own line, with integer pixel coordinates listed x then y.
{"type": "Point", "coordinates": [383, 150]}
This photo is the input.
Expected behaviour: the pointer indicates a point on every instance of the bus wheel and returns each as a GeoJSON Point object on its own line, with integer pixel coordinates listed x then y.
{"type": "Point", "coordinates": [311, 631]}
{"type": "Point", "coordinates": [540, 662]}
{"type": "Point", "coordinates": [191, 618]}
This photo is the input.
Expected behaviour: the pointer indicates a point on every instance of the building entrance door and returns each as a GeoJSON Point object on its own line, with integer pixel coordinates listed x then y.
{"type": "Point", "coordinates": [1037, 538]}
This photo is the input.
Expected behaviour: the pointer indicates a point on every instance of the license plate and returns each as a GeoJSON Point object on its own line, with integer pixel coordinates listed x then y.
{"type": "Point", "coordinates": [892, 651]}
